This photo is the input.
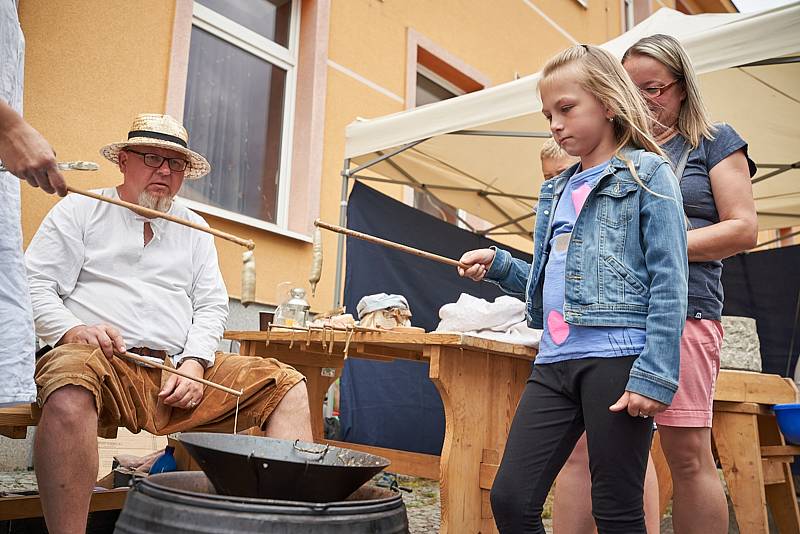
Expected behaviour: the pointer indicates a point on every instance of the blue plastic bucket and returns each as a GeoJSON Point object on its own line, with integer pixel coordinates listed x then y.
{"type": "Point", "coordinates": [788, 416]}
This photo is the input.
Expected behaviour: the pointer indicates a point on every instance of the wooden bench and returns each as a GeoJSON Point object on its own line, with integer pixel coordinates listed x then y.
{"type": "Point", "coordinates": [14, 423]}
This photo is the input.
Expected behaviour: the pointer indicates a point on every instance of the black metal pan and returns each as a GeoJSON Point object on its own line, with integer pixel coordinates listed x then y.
{"type": "Point", "coordinates": [267, 468]}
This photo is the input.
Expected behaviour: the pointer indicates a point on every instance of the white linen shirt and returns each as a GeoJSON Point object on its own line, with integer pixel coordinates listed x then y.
{"type": "Point", "coordinates": [88, 264]}
{"type": "Point", "coordinates": [17, 342]}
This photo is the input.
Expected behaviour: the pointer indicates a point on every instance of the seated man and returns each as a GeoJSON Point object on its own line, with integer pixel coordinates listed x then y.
{"type": "Point", "coordinates": [104, 280]}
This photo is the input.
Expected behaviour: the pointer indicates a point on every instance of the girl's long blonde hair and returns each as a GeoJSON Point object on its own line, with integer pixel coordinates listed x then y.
{"type": "Point", "coordinates": [602, 75]}
{"type": "Point", "coordinates": [694, 120]}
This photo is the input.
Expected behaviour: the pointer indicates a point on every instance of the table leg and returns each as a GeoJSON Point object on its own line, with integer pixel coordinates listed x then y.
{"type": "Point", "coordinates": [480, 393]}
{"type": "Point", "coordinates": [738, 446]}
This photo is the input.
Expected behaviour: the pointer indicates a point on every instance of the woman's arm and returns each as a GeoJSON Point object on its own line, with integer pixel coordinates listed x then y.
{"type": "Point", "coordinates": [737, 229]}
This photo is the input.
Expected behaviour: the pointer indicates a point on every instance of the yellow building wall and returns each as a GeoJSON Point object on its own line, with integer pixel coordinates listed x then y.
{"type": "Point", "coordinates": [499, 39]}
{"type": "Point", "coordinates": [92, 65]}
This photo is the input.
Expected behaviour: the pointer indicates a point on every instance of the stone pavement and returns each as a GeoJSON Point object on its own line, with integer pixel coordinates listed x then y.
{"type": "Point", "coordinates": [422, 505]}
{"type": "Point", "coordinates": [17, 481]}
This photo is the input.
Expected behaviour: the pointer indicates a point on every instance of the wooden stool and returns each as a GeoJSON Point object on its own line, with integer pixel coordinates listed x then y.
{"type": "Point", "coordinates": [747, 430]}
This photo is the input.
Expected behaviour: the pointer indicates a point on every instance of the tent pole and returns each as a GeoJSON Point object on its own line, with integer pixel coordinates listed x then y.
{"type": "Point", "coordinates": [337, 288]}
{"type": "Point", "coordinates": [420, 185]}
{"type": "Point", "coordinates": [771, 241]}
{"type": "Point", "coordinates": [413, 180]}
{"type": "Point", "coordinates": [502, 133]}
{"type": "Point", "coordinates": [513, 221]}
{"type": "Point", "coordinates": [382, 157]}
{"type": "Point", "coordinates": [782, 169]}
{"type": "Point", "coordinates": [505, 214]}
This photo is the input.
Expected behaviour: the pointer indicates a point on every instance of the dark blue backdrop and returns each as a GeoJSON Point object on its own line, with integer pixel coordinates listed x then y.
{"type": "Point", "coordinates": [395, 404]}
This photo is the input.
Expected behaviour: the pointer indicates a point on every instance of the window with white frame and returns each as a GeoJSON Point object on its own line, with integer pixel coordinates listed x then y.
{"type": "Point", "coordinates": [239, 107]}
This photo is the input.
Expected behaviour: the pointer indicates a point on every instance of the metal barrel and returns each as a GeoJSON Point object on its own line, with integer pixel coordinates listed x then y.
{"type": "Point", "coordinates": [184, 502]}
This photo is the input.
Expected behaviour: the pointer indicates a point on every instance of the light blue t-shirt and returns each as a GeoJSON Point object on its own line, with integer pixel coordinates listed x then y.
{"type": "Point", "coordinates": [561, 341]}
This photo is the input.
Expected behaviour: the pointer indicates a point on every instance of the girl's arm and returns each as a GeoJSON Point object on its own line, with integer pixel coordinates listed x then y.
{"type": "Point", "coordinates": [663, 234]}
{"type": "Point", "coordinates": [737, 229]}
{"type": "Point", "coordinates": [497, 266]}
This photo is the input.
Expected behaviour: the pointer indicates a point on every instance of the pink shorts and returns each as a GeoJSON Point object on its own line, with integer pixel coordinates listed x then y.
{"type": "Point", "coordinates": [692, 405]}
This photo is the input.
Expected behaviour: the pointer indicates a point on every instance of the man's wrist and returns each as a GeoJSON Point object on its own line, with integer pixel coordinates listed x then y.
{"type": "Point", "coordinates": [203, 363]}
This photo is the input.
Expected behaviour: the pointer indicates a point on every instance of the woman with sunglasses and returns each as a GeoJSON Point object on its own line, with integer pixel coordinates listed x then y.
{"type": "Point", "coordinates": [714, 170]}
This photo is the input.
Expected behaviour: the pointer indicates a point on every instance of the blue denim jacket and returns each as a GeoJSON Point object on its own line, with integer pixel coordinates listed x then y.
{"type": "Point", "coordinates": [627, 264]}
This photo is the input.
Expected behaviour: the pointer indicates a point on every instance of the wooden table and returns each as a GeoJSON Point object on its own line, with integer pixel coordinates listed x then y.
{"type": "Point", "coordinates": [481, 381]}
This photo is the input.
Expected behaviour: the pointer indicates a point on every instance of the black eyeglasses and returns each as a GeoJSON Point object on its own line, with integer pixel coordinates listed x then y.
{"type": "Point", "coordinates": [155, 161]}
{"type": "Point", "coordinates": [655, 92]}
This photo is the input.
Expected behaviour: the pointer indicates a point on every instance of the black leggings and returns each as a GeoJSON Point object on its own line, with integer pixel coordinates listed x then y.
{"type": "Point", "coordinates": [560, 401]}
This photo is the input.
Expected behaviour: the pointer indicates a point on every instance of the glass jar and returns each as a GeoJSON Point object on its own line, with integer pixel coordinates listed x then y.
{"type": "Point", "coordinates": [294, 311]}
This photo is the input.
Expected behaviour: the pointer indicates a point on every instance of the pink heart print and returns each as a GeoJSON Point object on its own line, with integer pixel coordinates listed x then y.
{"type": "Point", "coordinates": [557, 327]}
{"type": "Point", "coordinates": [579, 197]}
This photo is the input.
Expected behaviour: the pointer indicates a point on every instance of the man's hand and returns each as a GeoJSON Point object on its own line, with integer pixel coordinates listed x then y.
{"type": "Point", "coordinates": [104, 336]}
{"type": "Point", "coordinates": [479, 261]}
{"type": "Point", "coordinates": [26, 154]}
{"type": "Point", "coordinates": [180, 392]}
{"type": "Point", "coordinates": [638, 405]}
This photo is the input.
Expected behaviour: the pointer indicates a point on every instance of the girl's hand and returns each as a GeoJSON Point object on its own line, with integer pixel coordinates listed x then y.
{"type": "Point", "coordinates": [638, 405]}
{"type": "Point", "coordinates": [479, 261]}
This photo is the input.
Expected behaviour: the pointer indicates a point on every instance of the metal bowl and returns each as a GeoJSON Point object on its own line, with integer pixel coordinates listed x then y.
{"type": "Point", "coordinates": [267, 468]}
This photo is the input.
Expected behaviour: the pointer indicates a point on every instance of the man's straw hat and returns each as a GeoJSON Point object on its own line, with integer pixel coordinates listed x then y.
{"type": "Point", "coordinates": [151, 129]}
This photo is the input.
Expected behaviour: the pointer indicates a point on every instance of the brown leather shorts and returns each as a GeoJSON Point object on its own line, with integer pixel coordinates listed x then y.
{"type": "Point", "coordinates": [126, 394]}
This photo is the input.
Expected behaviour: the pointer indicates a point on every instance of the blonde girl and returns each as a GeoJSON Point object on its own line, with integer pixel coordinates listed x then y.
{"type": "Point", "coordinates": [607, 286]}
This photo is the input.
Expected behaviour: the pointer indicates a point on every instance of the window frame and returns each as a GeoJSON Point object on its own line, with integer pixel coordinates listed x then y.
{"type": "Point", "coordinates": [251, 42]}
{"type": "Point", "coordinates": [416, 43]}
{"type": "Point", "coordinates": [439, 80]}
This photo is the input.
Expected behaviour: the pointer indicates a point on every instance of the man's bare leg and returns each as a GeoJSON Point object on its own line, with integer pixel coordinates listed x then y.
{"type": "Point", "coordinates": [291, 419]}
{"type": "Point", "coordinates": [65, 457]}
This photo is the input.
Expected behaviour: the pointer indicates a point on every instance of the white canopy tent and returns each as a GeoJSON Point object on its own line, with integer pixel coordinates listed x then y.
{"type": "Point", "coordinates": [479, 152]}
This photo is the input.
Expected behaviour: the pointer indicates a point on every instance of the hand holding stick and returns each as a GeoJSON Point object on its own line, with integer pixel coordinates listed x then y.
{"type": "Point", "coordinates": [390, 244]}
{"type": "Point", "coordinates": [142, 359]}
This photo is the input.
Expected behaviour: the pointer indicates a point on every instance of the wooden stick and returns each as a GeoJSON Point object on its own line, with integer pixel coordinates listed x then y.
{"type": "Point", "coordinates": [147, 212]}
{"type": "Point", "coordinates": [390, 244]}
{"type": "Point", "coordinates": [347, 342]}
{"type": "Point", "coordinates": [335, 328]}
{"type": "Point", "coordinates": [142, 359]}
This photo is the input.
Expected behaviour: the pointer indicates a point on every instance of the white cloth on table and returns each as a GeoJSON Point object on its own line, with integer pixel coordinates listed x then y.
{"type": "Point", "coordinates": [17, 341]}
{"type": "Point", "coordinates": [502, 320]}
{"type": "Point", "coordinates": [88, 264]}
